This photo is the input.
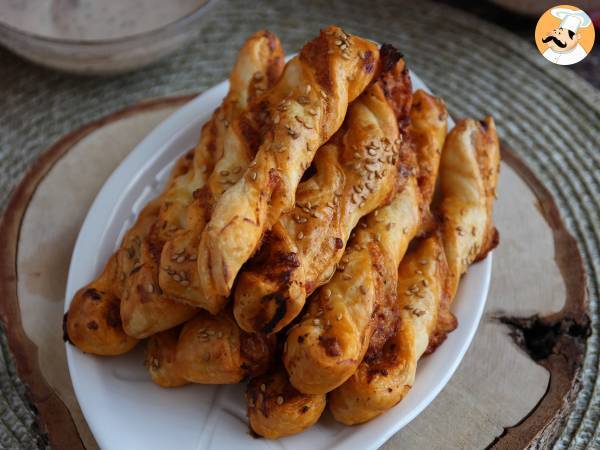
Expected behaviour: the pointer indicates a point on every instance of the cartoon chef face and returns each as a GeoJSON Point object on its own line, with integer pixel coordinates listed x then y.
{"type": "Point", "coordinates": [561, 39]}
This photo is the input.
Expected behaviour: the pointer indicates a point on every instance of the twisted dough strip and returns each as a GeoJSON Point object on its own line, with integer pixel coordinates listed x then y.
{"type": "Point", "coordinates": [355, 174]}
{"type": "Point", "coordinates": [259, 65]}
{"type": "Point", "coordinates": [325, 348]}
{"type": "Point", "coordinates": [428, 277]}
{"type": "Point", "coordinates": [307, 106]}
{"type": "Point", "coordinates": [425, 135]}
{"type": "Point", "coordinates": [381, 383]}
{"type": "Point", "coordinates": [93, 322]}
{"type": "Point", "coordinates": [145, 308]}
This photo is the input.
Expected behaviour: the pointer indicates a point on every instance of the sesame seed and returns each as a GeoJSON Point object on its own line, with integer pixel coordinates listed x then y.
{"type": "Point", "coordinates": [363, 290]}
{"type": "Point", "coordinates": [224, 172]}
{"type": "Point", "coordinates": [176, 277]}
{"type": "Point", "coordinates": [423, 262]}
{"type": "Point", "coordinates": [150, 288]}
{"type": "Point", "coordinates": [339, 316]}
{"type": "Point", "coordinates": [280, 400]}
{"type": "Point", "coordinates": [185, 283]}
{"type": "Point", "coordinates": [253, 176]}
{"type": "Point", "coordinates": [193, 257]}
{"type": "Point", "coordinates": [327, 293]}
{"type": "Point", "coordinates": [180, 259]}
{"type": "Point", "coordinates": [263, 387]}
{"type": "Point", "coordinates": [316, 322]}
{"type": "Point", "coordinates": [300, 235]}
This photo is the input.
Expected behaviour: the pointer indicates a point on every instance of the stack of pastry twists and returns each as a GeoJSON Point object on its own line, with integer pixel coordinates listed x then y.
{"type": "Point", "coordinates": [313, 203]}
{"type": "Point", "coordinates": [307, 106]}
{"type": "Point", "coordinates": [325, 348]}
{"type": "Point", "coordinates": [429, 275]}
{"type": "Point", "coordinates": [339, 328]}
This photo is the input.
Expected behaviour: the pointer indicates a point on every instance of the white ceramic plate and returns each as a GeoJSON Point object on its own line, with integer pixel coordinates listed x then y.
{"type": "Point", "coordinates": [125, 410]}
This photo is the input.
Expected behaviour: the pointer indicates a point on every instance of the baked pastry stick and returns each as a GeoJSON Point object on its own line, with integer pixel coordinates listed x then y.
{"type": "Point", "coordinates": [277, 409]}
{"type": "Point", "coordinates": [93, 322]}
{"type": "Point", "coordinates": [368, 129]}
{"type": "Point", "coordinates": [428, 277]}
{"type": "Point", "coordinates": [258, 66]}
{"type": "Point", "coordinates": [468, 175]}
{"type": "Point", "coordinates": [213, 350]}
{"type": "Point", "coordinates": [307, 105]}
{"type": "Point", "coordinates": [382, 382]}
{"type": "Point", "coordinates": [145, 308]}
{"type": "Point", "coordinates": [325, 348]}
{"type": "Point", "coordinates": [354, 175]}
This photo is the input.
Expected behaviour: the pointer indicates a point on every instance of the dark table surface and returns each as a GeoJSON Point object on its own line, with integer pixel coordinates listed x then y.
{"type": "Point", "coordinates": [524, 26]}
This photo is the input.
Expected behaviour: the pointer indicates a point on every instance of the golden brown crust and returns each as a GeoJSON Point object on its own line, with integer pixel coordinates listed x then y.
{"type": "Point", "coordinates": [468, 173]}
{"type": "Point", "coordinates": [213, 350]}
{"type": "Point", "coordinates": [238, 123]}
{"type": "Point", "coordinates": [134, 283]}
{"type": "Point", "coordinates": [276, 409]}
{"type": "Point", "coordinates": [93, 323]}
{"type": "Point", "coordinates": [306, 106]}
{"type": "Point", "coordinates": [428, 277]}
{"type": "Point", "coordinates": [325, 348]}
{"type": "Point", "coordinates": [355, 173]}
{"type": "Point", "coordinates": [160, 359]}
{"type": "Point", "coordinates": [428, 128]}
{"type": "Point", "coordinates": [382, 382]}
{"type": "Point", "coordinates": [312, 364]}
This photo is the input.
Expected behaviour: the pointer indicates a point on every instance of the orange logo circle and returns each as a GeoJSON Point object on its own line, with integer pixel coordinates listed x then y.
{"type": "Point", "coordinates": [564, 35]}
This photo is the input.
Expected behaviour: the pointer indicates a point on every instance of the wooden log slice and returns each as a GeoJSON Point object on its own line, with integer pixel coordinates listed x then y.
{"type": "Point", "coordinates": [514, 388]}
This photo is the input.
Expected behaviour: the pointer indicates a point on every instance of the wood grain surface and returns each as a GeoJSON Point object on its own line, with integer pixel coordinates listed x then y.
{"type": "Point", "coordinates": [512, 390]}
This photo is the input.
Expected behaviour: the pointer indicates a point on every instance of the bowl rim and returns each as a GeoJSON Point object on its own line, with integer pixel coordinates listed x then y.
{"type": "Point", "coordinates": [183, 20]}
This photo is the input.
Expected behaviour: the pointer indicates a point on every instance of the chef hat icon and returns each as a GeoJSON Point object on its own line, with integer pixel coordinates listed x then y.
{"type": "Point", "coordinates": [570, 19]}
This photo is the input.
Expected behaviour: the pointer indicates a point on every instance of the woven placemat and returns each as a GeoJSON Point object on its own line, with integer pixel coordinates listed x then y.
{"type": "Point", "coordinates": [544, 112]}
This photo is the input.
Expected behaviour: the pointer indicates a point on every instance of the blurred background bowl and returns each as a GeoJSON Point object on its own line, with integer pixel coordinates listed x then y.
{"type": "Point", "coordinates": [104, 56]}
